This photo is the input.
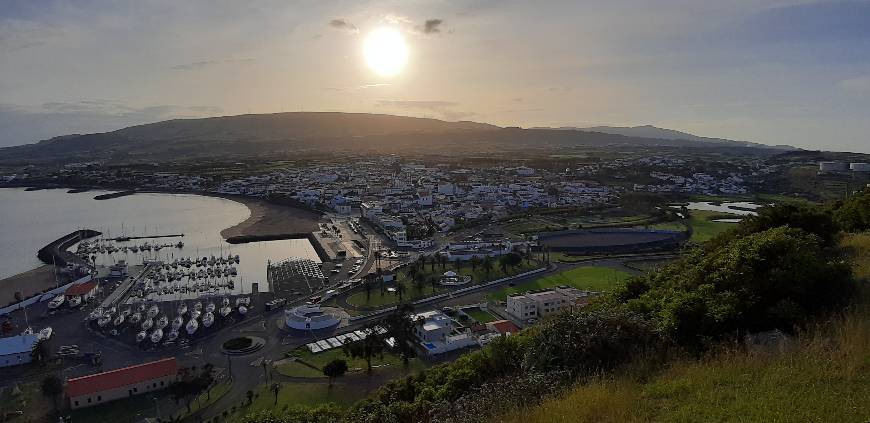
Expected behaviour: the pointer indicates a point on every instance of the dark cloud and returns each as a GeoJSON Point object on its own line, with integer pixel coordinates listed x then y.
{"type": "Point", "coordinates": [432, 26]}
{"type": "Point", "coordinates": [344, 25]}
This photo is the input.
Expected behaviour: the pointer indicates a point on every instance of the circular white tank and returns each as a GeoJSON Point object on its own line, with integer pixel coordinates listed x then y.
{"type": "Point", "coordinates": [860, 167]}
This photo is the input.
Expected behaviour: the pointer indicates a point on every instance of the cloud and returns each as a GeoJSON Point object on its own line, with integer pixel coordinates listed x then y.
{"type": "Point", "coordinates": [442, 108]}
{"type": "Point", "coordinates": [343, 25]}
{"type": "Point", "coordinates": [860, 84]}
{"type": "Point", "coordinates": [17, 34]}
{"type": "Point", "coordinates": [398, 19]}
{"type": "Point", "coordinates": [210, 63]}
{"type": "Point", "coordinates": [357, 87]}
{"type": "Point", "coordinates": [431, 26]}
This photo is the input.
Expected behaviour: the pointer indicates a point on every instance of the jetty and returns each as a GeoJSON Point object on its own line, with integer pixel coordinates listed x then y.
{"type": "Point", "coordinates": [56, 252]}
{"type": "Point", "coordinates": [114, 195]}
{"type": "Point", "coordinates": [130, 238]}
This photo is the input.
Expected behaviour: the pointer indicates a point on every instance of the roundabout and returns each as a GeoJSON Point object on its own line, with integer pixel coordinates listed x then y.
{"type": "Point", "coordinates": [243, 345]}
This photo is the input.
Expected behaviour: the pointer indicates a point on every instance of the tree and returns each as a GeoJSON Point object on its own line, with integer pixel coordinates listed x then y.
{"type": "Point", "coordinates": [400, 326]}
{"type": "Point", "coordinates": [40, 353]}
{"type": "Point", "coordinates": [52, 387]}
{"type": "Point", "coordinates": [510, 260]}
{"type": "Point", "coordinates": [334, 369]}
{"type": "Point", "coordinates": [367, 348]}
{"type": "Point", "coordinates": [487, 265]}
{"type": "Point", "coordinates": [250, 396]}
{"type": "Point", "coordinates": [367, 284]}
{"type": "Point", "coordinates": [400, 289]}
{"type": "Point", "coordinates": [276, 388]}
{"type": "Point", "coordinates": [474, 262]}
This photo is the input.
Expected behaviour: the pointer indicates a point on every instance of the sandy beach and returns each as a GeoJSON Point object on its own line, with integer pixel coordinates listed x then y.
{"type": "Point", "coordinates": [269, 219]}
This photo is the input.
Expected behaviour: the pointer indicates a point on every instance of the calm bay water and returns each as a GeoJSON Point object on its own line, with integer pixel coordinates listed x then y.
{"type": "Point", "coordinates": [31, 219]}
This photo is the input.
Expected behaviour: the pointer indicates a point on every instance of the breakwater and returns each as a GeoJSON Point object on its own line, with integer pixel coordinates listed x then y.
{"type": "Point", "coordinates": [56, 252]}
{"type": "Point", "coordinates": [114, 195]}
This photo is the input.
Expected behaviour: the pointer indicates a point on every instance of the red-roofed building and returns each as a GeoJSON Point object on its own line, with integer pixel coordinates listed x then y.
{"type": "Point", "coordinates": [85, 290]}
{"type": "Point", "coordinates": [503, 327]}
{"type": "Point", "coordinates": [108, 386]}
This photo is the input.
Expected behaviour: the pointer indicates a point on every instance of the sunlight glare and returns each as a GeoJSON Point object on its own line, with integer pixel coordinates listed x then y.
{"type": "Point", "coordinates": [385, 51]}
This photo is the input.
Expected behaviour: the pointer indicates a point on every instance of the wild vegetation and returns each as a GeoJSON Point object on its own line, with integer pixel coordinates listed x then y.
{"type": "Point", "coordinates": [658, 339]}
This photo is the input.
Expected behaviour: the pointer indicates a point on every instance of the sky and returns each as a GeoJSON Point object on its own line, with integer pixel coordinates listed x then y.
{"type": "Point", "coordinates": [769, 71]}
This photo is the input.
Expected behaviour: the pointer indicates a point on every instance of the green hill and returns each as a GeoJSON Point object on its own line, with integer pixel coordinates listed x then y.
{"type": "Point", "coordinates": [823, 374]}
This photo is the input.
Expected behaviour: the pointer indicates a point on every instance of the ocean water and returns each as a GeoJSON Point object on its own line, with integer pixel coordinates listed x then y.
{"type": "Point", "coordinates": [31, 219]}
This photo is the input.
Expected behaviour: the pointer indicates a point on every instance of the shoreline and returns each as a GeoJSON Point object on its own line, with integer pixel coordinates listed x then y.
{"type": "Point", "coordinates": [269, 219]}
{"type": "Point", "coordinates": [266, 219]}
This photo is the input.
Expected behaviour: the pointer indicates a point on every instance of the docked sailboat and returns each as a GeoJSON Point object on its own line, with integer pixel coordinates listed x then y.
{"type": "Point", "coordinates": [147, 324]}
{"type": "Point", "coordinates": [177, 323]}
{"type": "Point", "coordinates": [225, 311]}
{"type": "Point", "coordinates": [153, 311]}
{"type": "Point", "coordinates": [56, 302]}
{"type": "Point", "coordinates": [208, 319]}
{"type": "Point", "coordinates": [195, 314]}
{"type": "Point", "coordinates": [192, 326]}
{"type": "Point", "coordinates": [120, 319]}
{"type": "Point", "coordinates": [172, 336]}
{"type": "Point", "coordinates": [104, 320]}
{"type": "Point", "coordinates": [135, 318]}
{"type": "Point", "coordinates": [243, 310]}
{"type": "Point", "coordinates": [75, 301]}
{"type": "Point", "coordinates": [96, 314]}
{"type": "Point", "coordinates": [141, 336]}
{"type": "Point", "coordinates": [182, 308]}
{"type": "Point", "coordinates": [157, 335]}
{"type": "Point", "coordinates": [197, 306]}
{"type": "Point", "coordinates": [210, 307]}
{"type": "Point", "coordinates": [161, 322]}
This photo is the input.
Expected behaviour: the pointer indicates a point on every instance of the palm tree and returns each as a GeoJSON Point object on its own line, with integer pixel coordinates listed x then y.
{"type": "Point", "coordinates": [276, 388]}
{"type": "Point", "coordinates": [369, 347]}
{"type": "Point", "coordinates": [487, 265]}
{"type": "Point", "coordinates": [52, 387]}
{"type": "Point", "coordinates": [400, 289]}
{"type": "Point", "coordinates": [334, 369]}
{"type": "Point", "coordinates": [40, 352]}
{"type": "Point", "coordinates": [250, 396]}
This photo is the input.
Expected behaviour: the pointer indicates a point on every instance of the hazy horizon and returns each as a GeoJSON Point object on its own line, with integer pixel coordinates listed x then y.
{"type": "Point", "coordinates": [768, 71]}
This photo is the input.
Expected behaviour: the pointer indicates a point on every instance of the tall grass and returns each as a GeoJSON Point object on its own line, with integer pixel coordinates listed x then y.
{"type": "Point", "coordinates": [821, 375]}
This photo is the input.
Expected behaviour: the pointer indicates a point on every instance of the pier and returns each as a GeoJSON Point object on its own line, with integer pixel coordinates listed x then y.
{"type": "Point", "coordinates": [130, 238]}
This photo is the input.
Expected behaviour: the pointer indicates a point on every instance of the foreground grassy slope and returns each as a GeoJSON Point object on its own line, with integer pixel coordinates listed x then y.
{"type": "Point", "coordinates": [823, 375]}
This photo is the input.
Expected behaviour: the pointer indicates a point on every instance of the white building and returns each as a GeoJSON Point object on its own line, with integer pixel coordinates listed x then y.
{"type": "Point", "coordinates": [436, 335]}
{"type": "Point", "coordinates": [533, 305]}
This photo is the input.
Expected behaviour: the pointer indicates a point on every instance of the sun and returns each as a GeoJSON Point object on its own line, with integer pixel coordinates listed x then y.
{"type": "Point", "coordinates": [385, 51]}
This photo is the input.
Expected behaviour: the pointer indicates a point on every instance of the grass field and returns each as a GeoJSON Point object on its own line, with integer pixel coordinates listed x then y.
{"type": "Point", "coordinates": [386, 362]}
{"type": "Point", "coordinates": [703, 227]}
{"type": "Point", "coordinates": [31, 401]}
{"type": "Point", "coordinates": [589, 277]}
{"type": "Point", "coordinates": [340, 393]}
{"type": "Point", "coordinates": [823, 376]}
{"type": "Point", "coordinates": [479, 315]}
{"type": "Point", "coordinates": [413, 291]}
